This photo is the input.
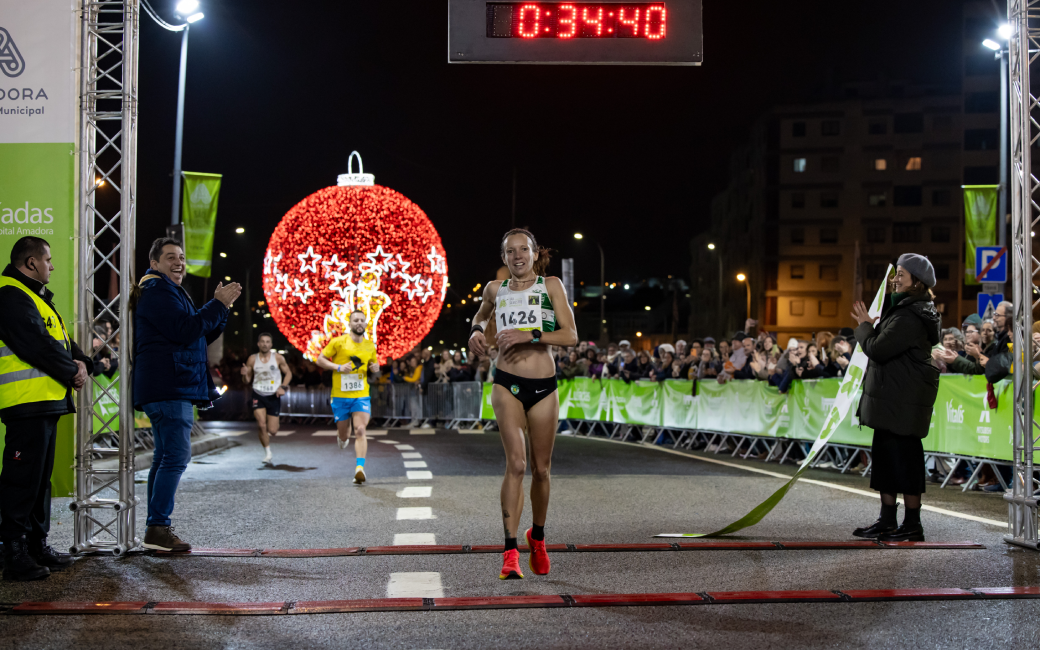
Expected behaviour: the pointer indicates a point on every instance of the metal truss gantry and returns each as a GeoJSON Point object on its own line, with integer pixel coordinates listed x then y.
{"type": "Point", "coordinates": [104, 501]}
{"type": "Point", "coordinates": [1024, 47]}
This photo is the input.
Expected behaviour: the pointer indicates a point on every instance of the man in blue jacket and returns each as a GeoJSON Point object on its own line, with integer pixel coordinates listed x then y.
{"type": "Point", "coordinates": [171, 375]}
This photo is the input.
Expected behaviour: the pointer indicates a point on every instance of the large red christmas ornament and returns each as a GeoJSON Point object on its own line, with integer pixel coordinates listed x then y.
{"type": "Point", "coordinates": [355, 246]}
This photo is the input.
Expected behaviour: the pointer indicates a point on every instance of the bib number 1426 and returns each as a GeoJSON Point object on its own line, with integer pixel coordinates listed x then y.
{"type": "Point", "coordinates": [514, 319]}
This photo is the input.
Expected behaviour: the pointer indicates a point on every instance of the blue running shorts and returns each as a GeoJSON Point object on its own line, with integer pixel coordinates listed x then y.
{"type": "Point", "coordinates": [342, 407]}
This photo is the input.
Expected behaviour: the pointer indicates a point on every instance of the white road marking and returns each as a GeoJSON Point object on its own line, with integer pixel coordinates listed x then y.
{"type": "Point", "coordinates": [405, 447]}
{"type": "Point", "coordinates": [326, 432]}
{"type": "Point", "coordinates": [285, 433]}
{"type": "Point", "coordinates": [466, 431]}
{"type": "Point", "coordinates": [228, 434]}
{"type": "Point", "coordinates": [388, 442]}
{"type": "Point", "coordinates": [421, 512]}
{"type": "Point", "coordinates": [414, 464]}
{"type": "Point", "coordinates": [415, 492]}
{"type": "Point", "coordinates": [833, 486]}
{"type": "Point", "coordinates": [422, 432]}
{"type": "Point", "coordinates": [410, 454]}
{"type": "Point", "coordinates": [419, 584]}
{"type": "Point", "coordinates": [415, 539]}
{"type": "Point", "coordinates": [419, 475]}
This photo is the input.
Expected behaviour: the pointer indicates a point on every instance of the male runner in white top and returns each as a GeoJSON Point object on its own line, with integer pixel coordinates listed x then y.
{"type": "Point", "coordinates": [270, 376]}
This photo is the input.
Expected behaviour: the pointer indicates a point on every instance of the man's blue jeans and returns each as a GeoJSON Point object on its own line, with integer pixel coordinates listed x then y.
{"type": "Point", "coordinates": [171, 428]}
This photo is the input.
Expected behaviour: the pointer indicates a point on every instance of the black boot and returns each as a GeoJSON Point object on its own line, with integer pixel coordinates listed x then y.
{"type": "Point", "coordinates": [19, 565]}
{"type": "Point", "coordinates": [910, 531]}
{"type": "Point", "coordinates": [886, 523]}
{"type": "Point", "coordinates": [47, 556]}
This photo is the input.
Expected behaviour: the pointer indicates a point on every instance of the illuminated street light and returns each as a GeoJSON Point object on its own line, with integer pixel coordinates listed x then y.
{"type": "Point", "coordinates": [747, 285]}
{"type": "Point", "coordinates": [187, 7]}
{"type": "Point", "coordinates": [577, 235]}
{"type": "Point", "coordinates": [194, 18]}
{"type": "Point", "coordinates": [711, 247]}
{"type": "Point", "coordinates": [240, 230]}
{"type": "Point", "coordinates": [647, 308]}
{"type": "Point", "coordinates": [1005, 32]}
{"type": "Point", "coordinates": [741, 277]}
{"type": "Point", "coordinates": [223, 254]}
{"type": "Point", "coordinates": [991, 44]}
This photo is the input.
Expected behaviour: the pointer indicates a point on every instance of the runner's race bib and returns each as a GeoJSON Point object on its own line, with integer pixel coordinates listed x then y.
{"type": "Point", "coordinates": [349, 383]}
{"type": "Point", "coordinates": [519, 311]}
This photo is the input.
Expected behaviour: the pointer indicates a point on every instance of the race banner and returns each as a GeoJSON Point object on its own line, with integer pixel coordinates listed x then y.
{"type": "Point", "coordinates": [980, 223]}
{"type": "Point", "coordinates": [38, 118]}
{"type": "Point", "coordinates": [201, 192]}
{"type": "Point", "coordinates": [842, 404]}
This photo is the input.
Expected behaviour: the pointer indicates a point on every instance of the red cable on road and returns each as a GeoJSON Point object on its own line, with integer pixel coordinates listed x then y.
{"type": "Point", "coordinates": [517, 602]}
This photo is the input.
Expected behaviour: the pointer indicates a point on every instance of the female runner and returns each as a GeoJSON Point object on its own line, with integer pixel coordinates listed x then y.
{"type": "Point", "coordinates": [530, 313]}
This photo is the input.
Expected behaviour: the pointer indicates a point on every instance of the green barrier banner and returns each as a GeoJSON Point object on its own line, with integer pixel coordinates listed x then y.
{"type": "Point", "coordinates": [842, 404]}
{"type": "Point", "coordinates": [106, 407]}
{"type": "Point", "coordinates": [486, 411]}
{"type": "Point", "coordinates": [980, 223]}
{"type": "Point", "coordinates": [201, 192]}
{"type": "Point", "coordinates": [635, 403]}
{"type": "Point", "coordinates": [678, 405]}
{"type": "Point", "coordinates": [39, 95]}
{"type": "Point", "coordinates": [583, 398]}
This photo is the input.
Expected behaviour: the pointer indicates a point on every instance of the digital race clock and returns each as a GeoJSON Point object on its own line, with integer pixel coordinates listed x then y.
{"type": "Point", "coordinates": [612, 32]}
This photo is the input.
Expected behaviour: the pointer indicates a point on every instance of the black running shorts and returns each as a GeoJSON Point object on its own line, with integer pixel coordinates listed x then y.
{"type": "Point", "coordinates": [528, 391]}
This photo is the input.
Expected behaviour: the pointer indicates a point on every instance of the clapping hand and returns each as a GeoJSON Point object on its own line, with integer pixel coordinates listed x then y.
{"type": "Point", "coordinates": [860, 313]}
{"type": "Point", "coordinates": [947, 356]}
{"type": "Point", "coordinates": [228, 294]}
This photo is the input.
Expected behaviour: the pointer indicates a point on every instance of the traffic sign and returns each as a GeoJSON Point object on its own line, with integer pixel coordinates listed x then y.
{"type": "Point", "coordinates": [995, 259]}
{"type": "Point", "coordinates": [607, 32]}
{"type": "Point", "coordinates": [989, 301]}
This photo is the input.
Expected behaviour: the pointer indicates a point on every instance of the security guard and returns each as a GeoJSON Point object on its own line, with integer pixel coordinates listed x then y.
{"type": "Point", "coordinates": [39, 367]}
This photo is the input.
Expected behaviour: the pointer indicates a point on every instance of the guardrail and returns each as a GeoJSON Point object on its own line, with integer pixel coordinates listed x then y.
{"type": "Point", "coordinates": [453, 404]}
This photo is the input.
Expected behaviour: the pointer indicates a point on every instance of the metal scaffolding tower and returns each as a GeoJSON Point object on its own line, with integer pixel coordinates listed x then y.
{"type": "Point", "coordinates": [1024, 46]}
{"type": "Point", "coordinates": [104, 501]}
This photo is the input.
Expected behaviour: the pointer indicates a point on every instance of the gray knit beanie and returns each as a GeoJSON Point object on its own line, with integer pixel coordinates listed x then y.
{"type": "Point", "coordinates": [919, 266]}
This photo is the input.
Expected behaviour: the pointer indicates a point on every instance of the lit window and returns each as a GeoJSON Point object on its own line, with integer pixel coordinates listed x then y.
{"type": "Point", "coordinates": [913, 164]}
{"type": "Point", "coordinates": [880, 164]}
{"type": "Point", "coordinates": [799, 165]}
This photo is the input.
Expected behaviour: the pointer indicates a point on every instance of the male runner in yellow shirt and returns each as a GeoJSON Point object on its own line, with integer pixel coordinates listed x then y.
{"type": "Point", "coordinates": [351, 357]}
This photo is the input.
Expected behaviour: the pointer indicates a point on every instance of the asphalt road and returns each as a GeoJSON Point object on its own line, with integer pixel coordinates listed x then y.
{"type": "Point", "coordinates": [602, 492]}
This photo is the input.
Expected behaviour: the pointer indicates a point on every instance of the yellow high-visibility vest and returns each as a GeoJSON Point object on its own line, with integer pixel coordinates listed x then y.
{"type": "Point", "coordinates": [20, 383]}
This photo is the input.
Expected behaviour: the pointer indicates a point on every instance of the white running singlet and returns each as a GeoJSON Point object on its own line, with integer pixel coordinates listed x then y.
{"type": "Point", "coordinates": [267, 377]}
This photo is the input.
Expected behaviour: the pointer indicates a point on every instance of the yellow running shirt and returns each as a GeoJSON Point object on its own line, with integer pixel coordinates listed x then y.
{"type": "Point", "coordinates": [353, 383]}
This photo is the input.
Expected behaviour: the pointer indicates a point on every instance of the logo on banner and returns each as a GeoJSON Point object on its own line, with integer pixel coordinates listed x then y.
{"type": "Point", "coordinates": [11, 62]}
{"type": "Point", "coordinates": [954, 415]}
{"type": "Point", "coordinates": [581, 396]}
{"type": "Point", "coordinates": [200, 197]}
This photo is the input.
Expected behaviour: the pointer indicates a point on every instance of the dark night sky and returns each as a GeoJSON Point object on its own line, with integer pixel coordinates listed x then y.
{"type": "Point", "coordinates": [277, 97]}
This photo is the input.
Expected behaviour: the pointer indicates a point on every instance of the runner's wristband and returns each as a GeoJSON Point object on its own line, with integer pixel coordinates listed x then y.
{"type": "Point", "coordinates": [476, 328]}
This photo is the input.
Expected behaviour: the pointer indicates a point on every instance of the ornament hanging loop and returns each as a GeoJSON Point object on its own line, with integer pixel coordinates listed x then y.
{"type": "Point", "coordinates": [350, 178]}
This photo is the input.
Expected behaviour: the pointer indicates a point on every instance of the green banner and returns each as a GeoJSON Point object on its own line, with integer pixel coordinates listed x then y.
{"type": "Point", "coordinates": [201, 192]}
{"type": "Point", "coordinates": [36, 198]}
{"type": "Point", "coordinates": [980, 223]}
{"type": "Point", "coordinates": [106, 397]}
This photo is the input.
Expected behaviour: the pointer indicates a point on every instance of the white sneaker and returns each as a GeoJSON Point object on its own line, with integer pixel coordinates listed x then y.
{"type": "Point", "coordinates": [342, 443]}
{"type": "Point", "coordinates": [267, 455]}
{"type": "Point", "coordinates": [359, 475]}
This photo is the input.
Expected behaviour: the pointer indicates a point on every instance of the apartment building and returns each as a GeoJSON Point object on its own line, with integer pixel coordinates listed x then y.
{"type": "Point", "coordinates": [825, 195]}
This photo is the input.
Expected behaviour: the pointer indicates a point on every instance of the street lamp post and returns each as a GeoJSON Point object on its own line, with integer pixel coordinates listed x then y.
{"type": "Point", "coordinates": [1001, 54]}
{"type": "Point", "coordinates": [188, 9]}
{"type": "Point", "coordinates": [718, 312]}
{"type": "Point", "coordinates": [743, 278]}
{"type": "Point", "coordinates": [602, 288]}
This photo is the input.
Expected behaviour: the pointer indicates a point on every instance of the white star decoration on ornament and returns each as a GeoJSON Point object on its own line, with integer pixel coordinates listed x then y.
{"type": "Point", "coordinates": [311, 256]}
{"type": "Point", "coordinates": [385, 264]}
{"type": "Point", "coordinates": [271, 263]}
{"type": "Point", "coordinates": [306, 293]}
{"type": "Point", "coordinates": [333, 262]}
{"type": "Point", "coordinates": [444, 287]}
{"type": "Point", "coordinates": [345, 288]}
{"type": "Point", "coordinates": [428, 284]}
{"type": "Point", "coordinates": [412, 285]}
{"type": "Point", "coordinates": [282, 284]}
{"type": "Point", "coordinates": [437, 264]}
{"type": "Point", "coordinates": [402, 265]}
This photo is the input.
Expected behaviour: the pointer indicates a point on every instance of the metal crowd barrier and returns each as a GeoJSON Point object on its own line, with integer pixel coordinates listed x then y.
{"type": "Point", "coordinates": [395, 404]}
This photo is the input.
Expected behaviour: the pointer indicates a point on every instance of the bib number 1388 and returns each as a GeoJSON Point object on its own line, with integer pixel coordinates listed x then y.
{"type": "Point", "coordinates": [518, 318]}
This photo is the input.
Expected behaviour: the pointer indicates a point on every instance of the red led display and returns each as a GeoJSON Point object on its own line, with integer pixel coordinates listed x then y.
{"type": "Point", "coordinates": [566, 20]}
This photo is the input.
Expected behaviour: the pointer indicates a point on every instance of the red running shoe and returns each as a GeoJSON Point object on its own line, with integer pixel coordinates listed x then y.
{"type": "Point", "coordinates": [511, 566]}
{"type": "Point", "coordinates": [538, 560]}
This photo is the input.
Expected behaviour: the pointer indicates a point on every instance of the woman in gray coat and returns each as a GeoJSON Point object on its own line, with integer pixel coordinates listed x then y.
{"type": "Point", "coordinates": [898, 394]}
